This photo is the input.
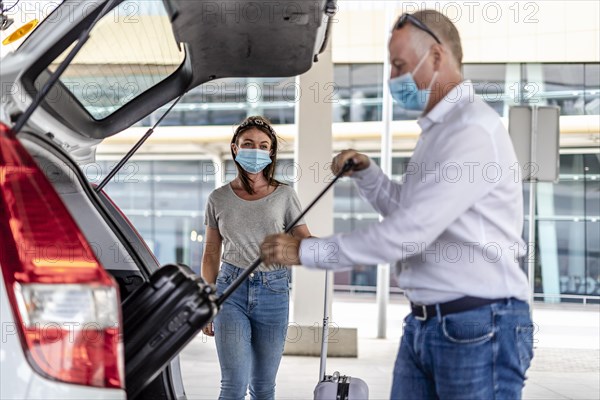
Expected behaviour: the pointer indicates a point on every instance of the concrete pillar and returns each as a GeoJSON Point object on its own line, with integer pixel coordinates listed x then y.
{"type": "Point", "coordinates": [547, 242]}
{"type": "Point", "coordinates": [313, 153]}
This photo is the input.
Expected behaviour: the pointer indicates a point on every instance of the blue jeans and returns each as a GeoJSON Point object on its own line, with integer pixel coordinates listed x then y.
{"type": "Point", "coordinates": [250, 332]}
{"type": "Point", "coordinates": [477, 354]}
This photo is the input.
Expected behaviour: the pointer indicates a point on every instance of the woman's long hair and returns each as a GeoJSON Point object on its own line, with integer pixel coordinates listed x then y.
{"type": "Point", "coordinates": [264, 125]}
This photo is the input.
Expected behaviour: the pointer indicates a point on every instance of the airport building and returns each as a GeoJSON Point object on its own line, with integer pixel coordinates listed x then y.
{"type": "Point", "coordinates": [515, 53]}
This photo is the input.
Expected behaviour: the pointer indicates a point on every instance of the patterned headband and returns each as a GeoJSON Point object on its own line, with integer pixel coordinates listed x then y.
{"type": "Point", "coordinates": [255, 122]}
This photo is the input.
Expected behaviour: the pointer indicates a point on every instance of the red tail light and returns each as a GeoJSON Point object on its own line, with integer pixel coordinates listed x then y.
{"type": "Point", "coordinates": [66, 304]}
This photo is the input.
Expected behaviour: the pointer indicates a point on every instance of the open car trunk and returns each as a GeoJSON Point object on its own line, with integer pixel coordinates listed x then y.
{"type": "Point", "coordinates": [212, 39]}
{"type": "Point", "coordinates": [185, 44]}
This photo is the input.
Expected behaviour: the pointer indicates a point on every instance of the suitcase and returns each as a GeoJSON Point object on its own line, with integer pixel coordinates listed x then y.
{"type": "Point", "coordinates": [336, 386]}
{"type": "Point", "coordinates": [166, 313]}
{"type": "Point", "coordinates": [160, 318]}
{"type": "Point", "coordinates": [341, 387]}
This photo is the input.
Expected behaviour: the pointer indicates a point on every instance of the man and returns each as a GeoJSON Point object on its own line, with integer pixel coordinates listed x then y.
{"type": "Point", "coordinates": [453, 224]}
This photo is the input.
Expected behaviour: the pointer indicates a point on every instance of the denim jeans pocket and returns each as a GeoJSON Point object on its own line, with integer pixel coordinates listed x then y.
{"type": "Point", "coordinates": [524, 337]}
{"type": "Point", "coordinates": [224, 279]}
{"type": "Point", "coordinates": [469, 327]}
{"type": "Point", "coordinates": [278, 282]}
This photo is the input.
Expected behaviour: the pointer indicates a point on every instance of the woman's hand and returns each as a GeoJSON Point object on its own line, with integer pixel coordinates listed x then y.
{"type": "Point", "coordinates": [280, 249]}
{"type": "Point", "coordinates": [209, 330]}
{"type": "Point", "coordinates": [361, 161]}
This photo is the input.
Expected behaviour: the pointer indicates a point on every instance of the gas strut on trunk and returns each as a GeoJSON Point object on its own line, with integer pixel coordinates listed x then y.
{"type": "Point", "coordinates": [135, 148]}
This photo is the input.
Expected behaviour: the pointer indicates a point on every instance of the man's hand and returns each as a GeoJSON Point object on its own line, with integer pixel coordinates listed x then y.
{"type": "Point", "coordinates": [361, 161]}
{"type": "Point", "coordinates": [280, 249]}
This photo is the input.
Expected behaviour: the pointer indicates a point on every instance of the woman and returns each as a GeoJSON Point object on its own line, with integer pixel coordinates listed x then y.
{"type": "Point", "coordinates": [251, 327]}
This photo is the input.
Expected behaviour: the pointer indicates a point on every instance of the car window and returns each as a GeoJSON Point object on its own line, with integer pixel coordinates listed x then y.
{"type": "Point", "coordinates": [130, 50]}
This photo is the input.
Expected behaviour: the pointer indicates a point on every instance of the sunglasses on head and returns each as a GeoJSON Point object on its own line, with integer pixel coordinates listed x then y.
{"type": "Point", "coordinates": [404, 18]}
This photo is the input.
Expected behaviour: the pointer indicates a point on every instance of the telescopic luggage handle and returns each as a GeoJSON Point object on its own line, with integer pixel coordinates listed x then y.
{"type": "Point", "coordinates": [348, 165]}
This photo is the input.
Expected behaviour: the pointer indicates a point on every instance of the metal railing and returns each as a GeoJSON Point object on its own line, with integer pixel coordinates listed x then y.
{"type": "Point", "coordinates": [585, 299]}
{"type": "Point", "coordinates": [364, 289]}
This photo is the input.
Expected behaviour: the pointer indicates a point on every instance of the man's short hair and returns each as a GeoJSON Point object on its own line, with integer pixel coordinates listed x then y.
{"type": "Point", "coordinates": [444, 29]}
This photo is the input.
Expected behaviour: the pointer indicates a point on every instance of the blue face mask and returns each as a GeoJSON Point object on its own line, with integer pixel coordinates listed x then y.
{"type": "Point", "coordinates": [253, 160]}
{"type": "Point", "coordinates": [405, 92]}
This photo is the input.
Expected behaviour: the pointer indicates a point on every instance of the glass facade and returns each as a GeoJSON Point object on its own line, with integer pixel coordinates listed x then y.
{"type": "Point", "coordinates": [229, 101]}
{"type": "Point", "coordinates": [568, 229]}
{"type": "Point", "coordinates": [573, 87]}
{"type": "Point", "coordinates": [357, 94]}
{"type": "Point", "coordinates": [165, 199]}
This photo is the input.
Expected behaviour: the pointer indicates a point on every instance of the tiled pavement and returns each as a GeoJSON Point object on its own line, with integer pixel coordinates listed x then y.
{"type": "Point", "coordinates": [566, 363]}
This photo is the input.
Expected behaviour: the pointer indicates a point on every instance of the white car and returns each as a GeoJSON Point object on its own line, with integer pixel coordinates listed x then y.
{"type": "Point", "coordinates": [69, 257]}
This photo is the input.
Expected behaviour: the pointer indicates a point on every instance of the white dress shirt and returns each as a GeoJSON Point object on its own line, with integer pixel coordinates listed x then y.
{"type": "Point", "coordinates": [453, 225]}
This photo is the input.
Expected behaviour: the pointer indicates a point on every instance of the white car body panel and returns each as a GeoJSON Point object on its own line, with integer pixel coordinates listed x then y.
{"type": "Point", "coordinates": [40, 388]}
{"type": "Point", "coordinates": [15, 371]}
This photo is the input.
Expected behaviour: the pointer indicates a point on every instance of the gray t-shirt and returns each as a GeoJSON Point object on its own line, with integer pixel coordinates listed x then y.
{"type": "Point", "coordinates": [244, 224]}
